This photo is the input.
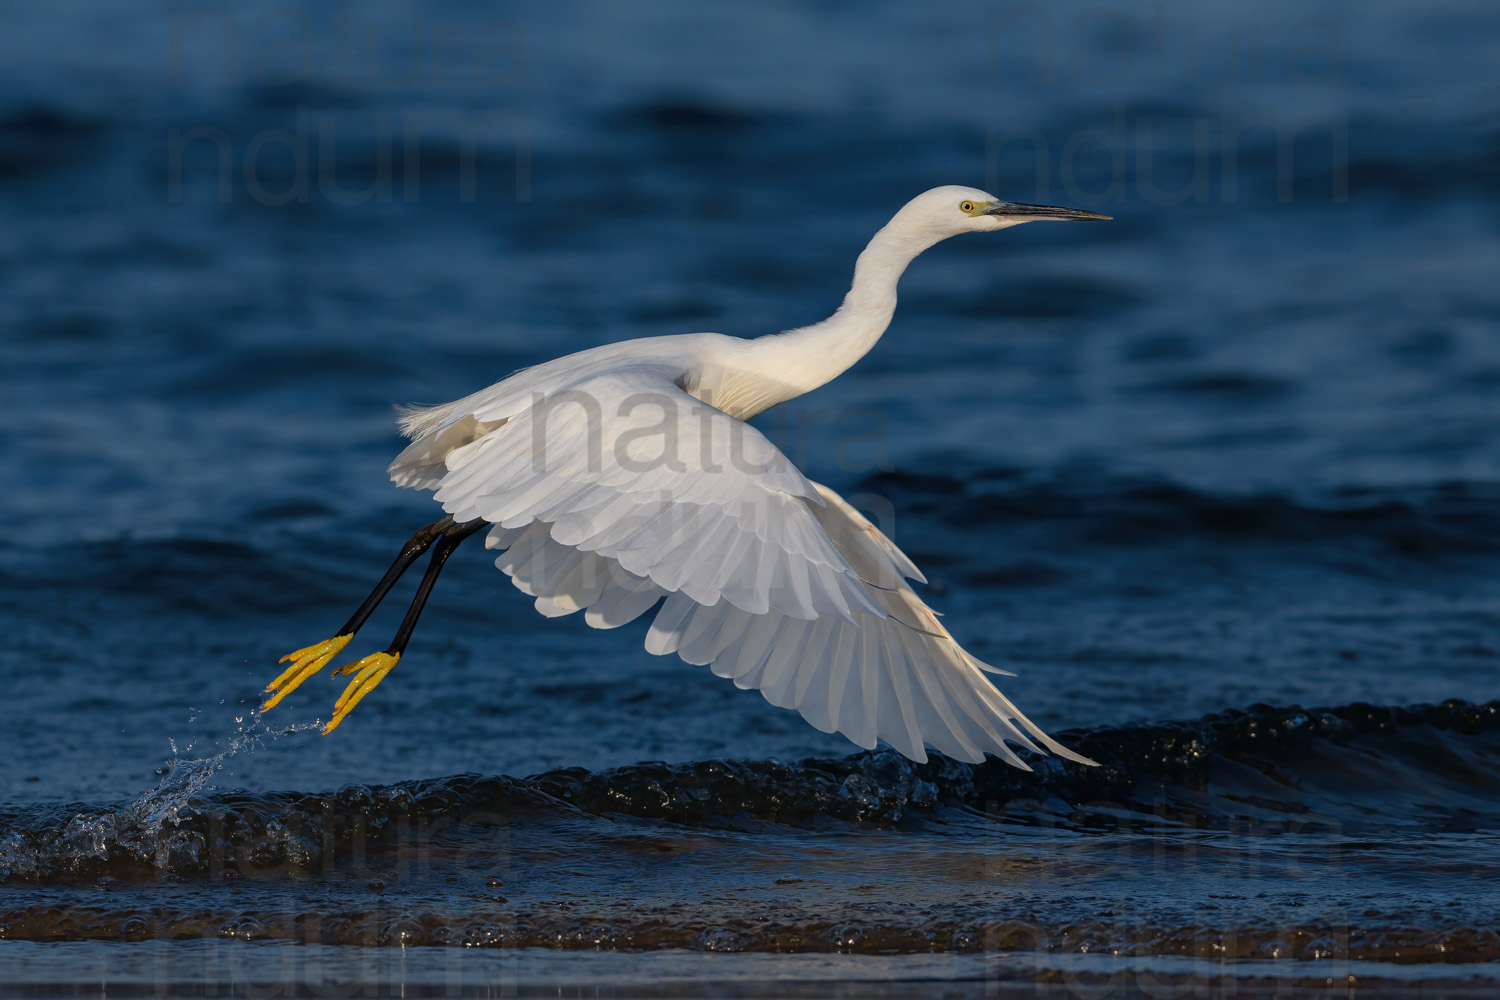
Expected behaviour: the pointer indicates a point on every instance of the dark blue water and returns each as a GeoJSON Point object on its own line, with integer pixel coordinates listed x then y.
{"type": "Point", "coordinates": [1214, 479]}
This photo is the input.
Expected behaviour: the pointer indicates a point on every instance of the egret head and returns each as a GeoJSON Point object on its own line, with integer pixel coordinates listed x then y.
{"type": "Point", "coordinates": [953, 209]}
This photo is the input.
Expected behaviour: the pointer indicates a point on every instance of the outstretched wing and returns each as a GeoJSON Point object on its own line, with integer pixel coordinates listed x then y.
{"type": "Point", "coordinates": [628, 466]}
{"type": "Point", "coordinates": [619, 489]}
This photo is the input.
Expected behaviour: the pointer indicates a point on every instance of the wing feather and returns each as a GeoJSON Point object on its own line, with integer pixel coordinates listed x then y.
{"type": "Point", "coordinates": [700, 637]}
{"type": "Point", "coordinates": [773, 581]}
{"type": "Point", "coordinates": [781, 660]}
{"type": "Point", "coordinates": [868, 674]}
{"type": "Point", "coordinates": [898, 676]}
{"type": "Point", "coordinates": [621, 604]}
{"type": "Point", "coordinates": [666, 629]}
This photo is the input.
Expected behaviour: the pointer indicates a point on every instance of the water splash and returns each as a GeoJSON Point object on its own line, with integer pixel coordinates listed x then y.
{"type": "Point", "coordinates": [142, 828]}
{"type": "Point", "coordinates": [185, 777]}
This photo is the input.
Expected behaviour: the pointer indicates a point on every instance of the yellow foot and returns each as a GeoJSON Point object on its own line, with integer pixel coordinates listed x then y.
{"type": "Point", "coordinates": [306, 662]}
{"type": "Point", "coordinates": [368, 672]}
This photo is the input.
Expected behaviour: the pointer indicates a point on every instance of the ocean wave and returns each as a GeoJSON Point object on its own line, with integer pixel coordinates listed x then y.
{"type": "Point", "coordinates": [1351, 770]}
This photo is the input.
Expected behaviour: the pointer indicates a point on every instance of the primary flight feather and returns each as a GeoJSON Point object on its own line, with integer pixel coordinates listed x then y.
{"type": "Point", "coordinates": [625, 478]}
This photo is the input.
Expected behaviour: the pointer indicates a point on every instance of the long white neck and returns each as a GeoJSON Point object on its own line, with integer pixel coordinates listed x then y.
{"type": "Point", "coordinates": [786, 365]}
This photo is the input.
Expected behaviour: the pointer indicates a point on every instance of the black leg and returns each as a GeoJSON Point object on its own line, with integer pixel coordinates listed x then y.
{"type": "Point", "coordinates": [369, 671]}
{"type": "Point", "coordinates": [449, 540]}
{"type": "Point", "coordinates": [446, 533]}
{"type": "Point", "coordinates": [410, 553]}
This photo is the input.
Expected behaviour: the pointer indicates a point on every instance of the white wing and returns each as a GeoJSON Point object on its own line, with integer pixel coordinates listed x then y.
{"type": "Point", "coordinates": [612, 491]}
{"type": "Point", "coordinates": [628, 466]}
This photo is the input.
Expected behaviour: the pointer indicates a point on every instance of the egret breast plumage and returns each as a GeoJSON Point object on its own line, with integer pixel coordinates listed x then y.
{"type": "Point", "coordinates": [625, 478]}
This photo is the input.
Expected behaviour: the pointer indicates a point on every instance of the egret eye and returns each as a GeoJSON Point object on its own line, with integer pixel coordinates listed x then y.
{"type": "Point", "coordinates": [966, 207]}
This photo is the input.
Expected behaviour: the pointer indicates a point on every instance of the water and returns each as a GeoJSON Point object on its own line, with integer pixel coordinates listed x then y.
{"type": "Point", "coordinates": [1219, 480]}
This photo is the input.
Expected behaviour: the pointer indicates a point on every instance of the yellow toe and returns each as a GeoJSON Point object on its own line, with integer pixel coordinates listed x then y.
{"type": "Point", "coordinates": [306, 662]}
{"type": "Point", "coordinates": [368, 673]}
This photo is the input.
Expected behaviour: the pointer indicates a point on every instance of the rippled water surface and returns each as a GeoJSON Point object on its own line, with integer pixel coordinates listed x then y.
{"type": "Point", "coordinates": [1220, 480]}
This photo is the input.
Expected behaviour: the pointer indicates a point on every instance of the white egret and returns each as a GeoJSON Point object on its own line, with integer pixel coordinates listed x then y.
{"type": "Point", "coordinates": [625, 476]}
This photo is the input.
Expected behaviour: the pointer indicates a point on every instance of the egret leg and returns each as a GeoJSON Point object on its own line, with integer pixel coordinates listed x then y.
{"type": "Point", "coordinates": [370, 670]}
{"type": "Point", "coordinates": [309, 660]}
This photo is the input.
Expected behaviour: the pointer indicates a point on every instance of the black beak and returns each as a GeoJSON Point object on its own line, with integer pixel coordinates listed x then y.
{"type": "Point", "coordinates": [1018, 210]}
